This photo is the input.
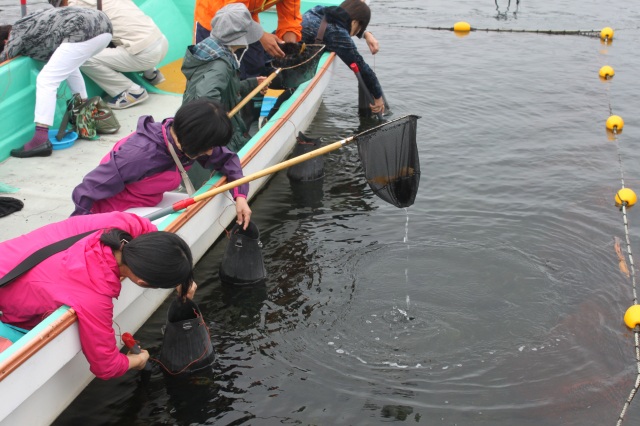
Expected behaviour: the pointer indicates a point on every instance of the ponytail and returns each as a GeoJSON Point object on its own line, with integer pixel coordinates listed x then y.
{"type": "Point", "coordinates": [161, 259]}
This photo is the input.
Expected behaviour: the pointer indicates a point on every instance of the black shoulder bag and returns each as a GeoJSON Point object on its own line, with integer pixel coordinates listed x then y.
{"type": "Point", "coordinates": [40, 255]}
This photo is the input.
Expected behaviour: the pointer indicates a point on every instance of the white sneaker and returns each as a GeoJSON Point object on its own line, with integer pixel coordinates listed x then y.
{"type": "Point", "coordinates": [156, 77]}
{"type": "Point", "coordinates": [127, 99]}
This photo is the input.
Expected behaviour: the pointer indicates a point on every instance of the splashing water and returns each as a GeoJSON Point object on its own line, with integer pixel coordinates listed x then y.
{"type": "Point", "coordinates": [406, 270]}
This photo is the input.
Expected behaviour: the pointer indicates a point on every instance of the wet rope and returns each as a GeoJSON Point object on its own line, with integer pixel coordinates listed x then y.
{"type": "Point", "coordinates": [636, 330]}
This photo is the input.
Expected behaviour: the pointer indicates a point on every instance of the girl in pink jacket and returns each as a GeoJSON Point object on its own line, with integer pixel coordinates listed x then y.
{"type": "Point", "coordinates": [87, 276]}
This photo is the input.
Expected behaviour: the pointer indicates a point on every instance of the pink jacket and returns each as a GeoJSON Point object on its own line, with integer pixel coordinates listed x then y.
{"type": "Point", "coordinates": [85, 277]}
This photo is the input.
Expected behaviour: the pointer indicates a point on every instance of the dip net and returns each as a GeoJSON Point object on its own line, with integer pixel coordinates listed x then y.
{"type": "Point", "coordinates": [389, 155]}
{"type": "Point", "coordinates": [299, 64]}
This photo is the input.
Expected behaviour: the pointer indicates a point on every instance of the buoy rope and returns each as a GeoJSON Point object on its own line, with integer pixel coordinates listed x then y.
{"type": "Point", "coordinates": [636, 330]}
{"type": "Point", "coordinates": [588, 33]}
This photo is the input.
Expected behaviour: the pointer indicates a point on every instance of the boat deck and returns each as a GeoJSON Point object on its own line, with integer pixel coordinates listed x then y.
{"type": "Point", "coordinates": [44, 184]}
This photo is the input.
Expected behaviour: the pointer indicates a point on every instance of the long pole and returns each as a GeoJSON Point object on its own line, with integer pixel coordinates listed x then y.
{"type": "Point", "coordinates": [254, 92]}
{"type": "Point", "coordinates": [368, 97]}
{"type": "Point", "coordinates": [23, 7]}
{"type": "Point", "coordinates": [257, 175]}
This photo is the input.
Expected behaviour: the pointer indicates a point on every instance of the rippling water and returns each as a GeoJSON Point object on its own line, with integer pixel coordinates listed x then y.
{"type": "Point", "coordinates": [503, 302]}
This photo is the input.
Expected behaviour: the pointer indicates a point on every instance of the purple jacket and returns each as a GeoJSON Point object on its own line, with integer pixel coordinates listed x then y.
{"type": "Point", "coordinates": [137, 164]}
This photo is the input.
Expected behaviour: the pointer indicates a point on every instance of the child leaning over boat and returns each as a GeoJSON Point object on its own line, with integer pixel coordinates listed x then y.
{"type": "Point", "coordinates": [140, 168]}
{"type": "Point", "coordinates": [86, 275]}
{"type": "Point", "coordinates": [211, 66]}
{"type": "Point", "coordinates": [334, 26]}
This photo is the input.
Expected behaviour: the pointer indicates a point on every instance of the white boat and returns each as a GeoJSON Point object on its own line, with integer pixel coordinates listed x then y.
{"type": "Point", "coordinates": [42, 373]}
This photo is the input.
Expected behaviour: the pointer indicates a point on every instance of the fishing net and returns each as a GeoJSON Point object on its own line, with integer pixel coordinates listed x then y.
{"type": "Point", "coordinates": [299, 64]}
{"type": "Point", "coordinates": [186, 345]}
{"type": "Point", "coordinates": [310, 170]}
{"type": "Point", "coordinates": [389, 156]}
{"type": "Point", "coordinates": [242, 262]}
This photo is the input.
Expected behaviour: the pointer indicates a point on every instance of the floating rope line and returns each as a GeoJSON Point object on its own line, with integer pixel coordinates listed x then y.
{"type": "Point", "coordinates": [588, 33]}
{"type": "Point", "coordinates": [626, 198]}
{"type": "Point", "coordinates": [464, 28]}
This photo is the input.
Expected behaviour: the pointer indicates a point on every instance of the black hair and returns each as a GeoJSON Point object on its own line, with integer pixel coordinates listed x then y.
{"type": "Point", "coordinates": [162, 259]}
{"type": "Point", "coordinates": [358, 11]}
{"type": "Point", "coordinates": [4, 35]}
{"type": "Point", "coordinates": [200, 125]}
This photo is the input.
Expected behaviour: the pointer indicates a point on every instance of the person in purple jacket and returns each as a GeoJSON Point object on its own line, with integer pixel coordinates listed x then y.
{"type": "Point", "coordinates": [140, 168]}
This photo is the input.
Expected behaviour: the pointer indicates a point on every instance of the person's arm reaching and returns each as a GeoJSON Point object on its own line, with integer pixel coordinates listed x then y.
{"type": "Point", "coordinates": [228, 163]}
{"type": "Point", "coordinates": [372, 42]}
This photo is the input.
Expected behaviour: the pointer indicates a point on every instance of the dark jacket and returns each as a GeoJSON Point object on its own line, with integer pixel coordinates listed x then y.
{"type": "Point", "coordinates": [337, 39]}
{"type": "Point", "coordinates": [212, 72]}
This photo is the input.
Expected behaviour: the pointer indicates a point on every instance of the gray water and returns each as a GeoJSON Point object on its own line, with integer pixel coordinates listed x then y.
{"type": "Point", "coordinates": [503, 302]}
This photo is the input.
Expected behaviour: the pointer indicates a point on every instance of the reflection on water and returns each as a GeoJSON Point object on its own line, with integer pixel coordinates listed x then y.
{"type": "Point", "coordinates": [495, 299]}
{"type": "Point", "coordinates": [503, 12]}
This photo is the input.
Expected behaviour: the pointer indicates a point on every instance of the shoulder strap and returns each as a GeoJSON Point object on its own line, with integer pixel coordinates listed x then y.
{"type": "Point", "coordinates": [62, 130]}
{"type": "Point", "coordinates": [321, 30]}
{"type": "Point", "coordinates": [185, 177]}
{"type": "Point", "coordinates": [40, 255]}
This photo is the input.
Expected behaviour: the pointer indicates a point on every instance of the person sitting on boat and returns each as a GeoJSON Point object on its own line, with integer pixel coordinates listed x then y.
{"type": "Point", "coordinates": [254, 58]}
{"type": "Point", "coordinates": [334, 26]}
{"type": "Point", "coordinates": [141, 167]}
{"type": "Point", "coordinates": [211, 67]}
{"type": "Point", "coordinates": [64, 38]}
{"type": "Point", "coordinates": [86, 276]}
{"type": "Point", "coordinates": [139, 47]}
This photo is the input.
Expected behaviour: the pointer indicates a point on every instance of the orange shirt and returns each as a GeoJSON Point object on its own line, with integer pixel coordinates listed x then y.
{"type": "Point", "coordinates": [289, 16]}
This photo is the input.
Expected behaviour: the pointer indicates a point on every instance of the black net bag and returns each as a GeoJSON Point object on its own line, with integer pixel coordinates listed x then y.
{"type": "Point", "coordinates": [310, 170]}
{"type": "Point", "coordinates": [186, 345]}
{"type": "Point", "coordinates": [389, 156]}
{"type": "Point", "coordinates": [9, 205]}
{"type": "Point", "coordinates": [299, 64]}
{"type": "Point", "coordinates": [242, 261]}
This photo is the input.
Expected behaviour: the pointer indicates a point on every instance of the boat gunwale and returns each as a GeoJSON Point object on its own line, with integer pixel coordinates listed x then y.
{"type": "Point", "coordinates": [37, 341]}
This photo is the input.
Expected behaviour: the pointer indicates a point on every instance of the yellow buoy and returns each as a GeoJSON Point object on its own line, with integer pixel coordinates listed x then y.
{"type": "Point", "coordinates": [626, 196]}
{"type": "Point", "coordinates": [632, 316]}
{"type": "Point", "coordinates": [606, 33]}
{"type": "Point", "coordinates": [607, 72]}
{"type": "Point", "coordinates": [461, 27]}
{"type": "Point", "coordinates": [615, 122]}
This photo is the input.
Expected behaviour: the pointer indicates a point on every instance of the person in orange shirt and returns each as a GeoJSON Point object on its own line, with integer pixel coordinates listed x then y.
{"type": "Point", "coordinates": [254, 59]}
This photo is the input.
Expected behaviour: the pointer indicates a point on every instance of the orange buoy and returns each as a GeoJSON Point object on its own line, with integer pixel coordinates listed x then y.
{"type": "Point", "coordinates": [626, 196]}
{"type": "Point", "coordinates": [632, 316]}
{"type": "Point", "coordinates": [461, 27]}
{"type": "Point", "coordinates": [606, 34]}
{"type": "Point", "coordinates": [615, 122]}
{"type": "Point", "coordinates": [606, 72]}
